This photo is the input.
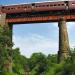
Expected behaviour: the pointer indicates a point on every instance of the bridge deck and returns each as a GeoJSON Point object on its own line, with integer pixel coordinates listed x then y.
{"type": "Point", "coordinates": [36, 17]}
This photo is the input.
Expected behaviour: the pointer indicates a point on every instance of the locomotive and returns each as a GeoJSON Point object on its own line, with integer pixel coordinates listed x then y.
{"type": "Point", "coordinates": [38, 7]}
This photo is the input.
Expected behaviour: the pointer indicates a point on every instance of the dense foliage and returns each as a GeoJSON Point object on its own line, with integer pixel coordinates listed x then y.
{"type": "Point", "coordinates": [37, 64]}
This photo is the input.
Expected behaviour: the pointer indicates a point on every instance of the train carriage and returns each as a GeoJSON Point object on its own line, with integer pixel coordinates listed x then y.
{"type": "Point", "coordinates": [37, 7]}
{"type": "Point", "coordinates": [46, 6]}
{"type": "Point", "coordinates": [17, 8]}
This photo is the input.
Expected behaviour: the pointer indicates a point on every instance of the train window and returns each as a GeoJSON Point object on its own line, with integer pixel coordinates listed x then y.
{"type": "Point", "coordinates": [25, 7]}
{"type": "Point", "coordinates": [51, 5]}
{"type": "Point", "coordinates": [62, 4]}
{"type": "Point", "coordinates": [18, 7]}
{"type": "Point", "coordinates": [2, 7]}
{"type": "Point", "coordinates": [37, 6]}
{"type": "Point", "coordinates": [73, 3]}
{"type": "Point", "coordinates": [47, 5]}
{"type": "Point", "coordinates": [55, 5]}
{"type": "Point", "coordinates": [8, 8]}
{"type": "Point", "coordinates": [12, 8]}
{"type": "Point", "coordinates": [33, 4]}
{"type": "Point", "coordinates": [58, 4]}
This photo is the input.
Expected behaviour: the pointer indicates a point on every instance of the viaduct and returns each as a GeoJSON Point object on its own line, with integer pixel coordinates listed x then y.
{"type": "Point", "coordinates": [7, 19]}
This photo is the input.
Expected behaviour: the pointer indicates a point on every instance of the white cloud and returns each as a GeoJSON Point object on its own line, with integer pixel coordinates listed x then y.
{"type": "Point", "coordinates": [35, 43]}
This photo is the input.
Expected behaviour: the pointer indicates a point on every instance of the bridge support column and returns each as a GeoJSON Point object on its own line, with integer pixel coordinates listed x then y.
{"type": "Point", "coordinates": [5, 44]}
{"type": "Point", "coordinates": [2, 19]}
{"type": "Point", "coordinates": [64, 50]}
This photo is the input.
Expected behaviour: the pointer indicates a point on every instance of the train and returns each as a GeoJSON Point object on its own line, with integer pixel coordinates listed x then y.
{"type": "Point", "coordinates": [38, 7]}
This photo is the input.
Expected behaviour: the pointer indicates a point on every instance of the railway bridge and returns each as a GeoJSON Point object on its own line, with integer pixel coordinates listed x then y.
{"type": "Point", "coordinates": [60, 12]}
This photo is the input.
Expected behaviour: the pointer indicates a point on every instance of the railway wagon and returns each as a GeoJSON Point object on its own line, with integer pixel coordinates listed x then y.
{"type": "Point", "coordinates": [16, 8]}
{"type": "Point", "coordinates": [37, 7]}
{"type": "Point", "coordinates": [47, 6]}
{"type": "Point", "coordinates": [44, 6]}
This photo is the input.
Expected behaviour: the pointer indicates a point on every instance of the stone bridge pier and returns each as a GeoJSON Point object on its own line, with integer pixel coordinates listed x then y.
{"type": "Point", "coordinates": [64, 48]}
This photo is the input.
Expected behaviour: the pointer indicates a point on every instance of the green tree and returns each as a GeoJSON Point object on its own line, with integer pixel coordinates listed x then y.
{"type": "Point", "coordinates": [5, 48]}
{"type": "Point", "coordinates": [38, 63]}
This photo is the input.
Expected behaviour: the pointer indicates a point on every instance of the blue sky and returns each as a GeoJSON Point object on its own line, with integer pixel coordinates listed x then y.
{"type": "Point", "coordinates": [5, 2]}
{"type": "Point", "coordinates": [38, 37]}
